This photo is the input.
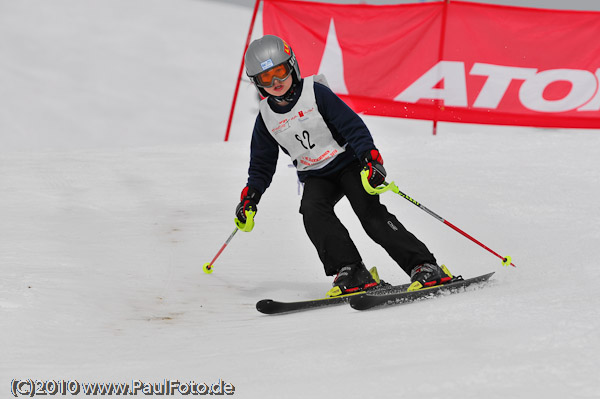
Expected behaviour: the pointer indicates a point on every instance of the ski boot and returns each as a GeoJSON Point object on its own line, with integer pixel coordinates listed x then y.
{"type": "Point", "coordinates": [354, 278]}
{"type": "Point", "coordinates": [429, 275]}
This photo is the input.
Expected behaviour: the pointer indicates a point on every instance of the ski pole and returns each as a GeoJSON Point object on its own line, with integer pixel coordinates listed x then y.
{"type": "Point", "coordinates": [208, 266]}
{"type": "Point", "coordinates": [506, 260]}
{"type": "Point", "coordinates": [238, 226]}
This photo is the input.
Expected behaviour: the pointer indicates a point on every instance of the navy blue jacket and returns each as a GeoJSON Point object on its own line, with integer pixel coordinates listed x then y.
{"type": "Point", "coordinates": [345, 125]}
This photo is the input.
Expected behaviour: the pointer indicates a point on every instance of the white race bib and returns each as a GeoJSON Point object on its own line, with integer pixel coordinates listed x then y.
{"type": "Point", "coordinates": [302, 131]}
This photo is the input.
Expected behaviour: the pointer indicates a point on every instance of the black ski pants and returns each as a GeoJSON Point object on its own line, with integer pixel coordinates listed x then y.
{"type": "Point", "coordinates": [331, 238]}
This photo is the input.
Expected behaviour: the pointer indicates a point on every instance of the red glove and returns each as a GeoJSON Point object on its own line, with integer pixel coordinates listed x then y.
{"type": "Point", "coordinates": [373, 162]}
{"type": "Point", "coordinates": [248, 202]}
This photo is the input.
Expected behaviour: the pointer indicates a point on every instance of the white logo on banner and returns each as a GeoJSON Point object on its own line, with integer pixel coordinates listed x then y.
{"type": "Point", "coordinates": [583, 95]}
{"type": "Point", "coordinates": [454, 92]}
{"type": "Point", "coordinates": [332, 63]}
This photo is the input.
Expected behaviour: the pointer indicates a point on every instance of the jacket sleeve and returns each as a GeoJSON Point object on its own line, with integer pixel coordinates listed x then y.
{"type": "Point", "coordinates": [343, 121]}
{"type": "Point", "coordinates": [264, 152]}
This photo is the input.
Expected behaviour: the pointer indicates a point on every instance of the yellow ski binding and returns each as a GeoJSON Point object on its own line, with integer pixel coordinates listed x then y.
{"type": "Point", "coordinates": [418, 286]}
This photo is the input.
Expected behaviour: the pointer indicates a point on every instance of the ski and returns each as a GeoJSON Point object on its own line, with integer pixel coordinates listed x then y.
{"type": "Point", "coordinates": [270, 306]}
{"type": "Point", "coordinates": [372, 300]}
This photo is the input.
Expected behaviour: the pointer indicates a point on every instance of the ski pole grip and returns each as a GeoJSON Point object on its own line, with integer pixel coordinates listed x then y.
{"type": "Point", "coordinates": [249, 225]}
{"type": "Point", "coordinates": [364, 177]}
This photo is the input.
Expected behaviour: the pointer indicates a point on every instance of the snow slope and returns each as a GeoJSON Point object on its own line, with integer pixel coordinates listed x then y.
{"type": "Point", "coordinates": [116, 186]}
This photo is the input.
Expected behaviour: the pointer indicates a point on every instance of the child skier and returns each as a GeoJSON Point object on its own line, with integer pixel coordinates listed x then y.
{"type": "Point", "coordinates": [329, 144]}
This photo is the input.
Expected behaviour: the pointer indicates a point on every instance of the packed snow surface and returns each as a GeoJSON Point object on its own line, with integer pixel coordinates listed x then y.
{"type": "Point", "coordinates": [116, 187]}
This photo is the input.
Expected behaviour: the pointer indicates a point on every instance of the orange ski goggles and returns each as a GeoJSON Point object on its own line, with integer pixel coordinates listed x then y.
{"type": "Point", "coordinates": [268, 77]}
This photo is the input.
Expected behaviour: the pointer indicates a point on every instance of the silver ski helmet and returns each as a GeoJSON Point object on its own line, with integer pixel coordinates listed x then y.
{"type": "Point", "coordinates": [270, 53]}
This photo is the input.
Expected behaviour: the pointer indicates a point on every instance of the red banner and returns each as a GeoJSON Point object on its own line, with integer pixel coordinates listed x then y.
{"type": "Point", "coordinates": [450, 61]}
